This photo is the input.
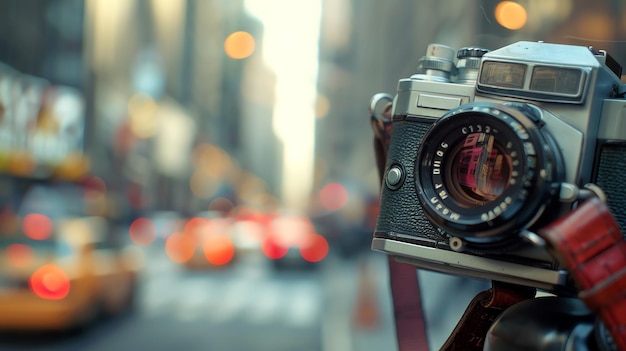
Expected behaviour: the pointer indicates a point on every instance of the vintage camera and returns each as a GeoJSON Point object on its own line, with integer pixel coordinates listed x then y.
{"type": "Point", "coordinates": [485, 151]}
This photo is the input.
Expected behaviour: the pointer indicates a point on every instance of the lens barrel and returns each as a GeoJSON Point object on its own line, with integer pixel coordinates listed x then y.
{"type": "Point", "coordinates": [486, 171]}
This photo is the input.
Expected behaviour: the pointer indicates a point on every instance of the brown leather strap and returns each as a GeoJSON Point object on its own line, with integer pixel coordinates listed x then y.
{"type": "Point", "coordinates": [407, 307]}
{"type": "Point", "coordinates": [382, 138]}
{"type": "Point", "coordinates": [405, 291]}
{"type": "Point", "coordinates": [588, 242]}
{"type": "Point", "coordinates": [471, 330]}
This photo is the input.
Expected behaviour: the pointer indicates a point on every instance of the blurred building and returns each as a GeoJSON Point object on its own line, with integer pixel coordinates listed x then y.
{"type": "Point", "coordinates": [170, 54]}
{"type": "Point", "coordinates": [44, 39]}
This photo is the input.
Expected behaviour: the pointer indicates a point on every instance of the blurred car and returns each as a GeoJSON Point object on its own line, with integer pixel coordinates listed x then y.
{"type": "Point", "coordinates": [292, 242]}
{"type": "Point", "coordinates": [250, 229]}
{"type": "Point", "coordinates": [60, 268]}
{"type": "Point", "coordinates": [213, 240]}
{"type": "Point", "coordinates": [205, 242]}
{"type": "Point", "coordinates": [66, 281]}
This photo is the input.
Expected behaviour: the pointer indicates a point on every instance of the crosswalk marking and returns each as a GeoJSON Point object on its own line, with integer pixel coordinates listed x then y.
{"type": "Point", "coordinates": [266, 303]}
{"type": "Point", "coordinates": [231, 301]}
{"type": "Point", "coordinates": [195, 300]}
{"type": "Point", "coordinates": [250, 300]}
{"type": "Point", "coordinates": [305, 305]}
{"type": "Point", "coordinates": [244, 294]}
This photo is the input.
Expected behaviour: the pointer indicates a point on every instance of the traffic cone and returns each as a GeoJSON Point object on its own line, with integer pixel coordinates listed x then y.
{"type": "Point", "coordinates": [366, 314]}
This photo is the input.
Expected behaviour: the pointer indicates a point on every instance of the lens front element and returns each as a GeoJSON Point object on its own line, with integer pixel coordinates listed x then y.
{"type": "Point", "coordinates": [481, 170]}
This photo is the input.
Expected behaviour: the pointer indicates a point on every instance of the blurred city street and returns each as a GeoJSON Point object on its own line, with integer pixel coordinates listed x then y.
{"type": "Point", "coordinates": [248, 306]}
{"type": "Point", "coordinates": [200, 174]}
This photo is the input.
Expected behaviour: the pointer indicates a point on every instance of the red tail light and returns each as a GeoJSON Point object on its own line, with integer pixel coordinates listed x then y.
{"type": "Point", "coordinates": [219, 250]}
{"type": "Point", "coordinates": [315, 248]}
{"type": "Point", "coordinates": [272, 249]}
{"type": "Point", "coordinates": [49, 282]}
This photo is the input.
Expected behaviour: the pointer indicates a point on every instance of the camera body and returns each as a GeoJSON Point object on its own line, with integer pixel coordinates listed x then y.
{"type": "Point", "coordinates": [485, 151]}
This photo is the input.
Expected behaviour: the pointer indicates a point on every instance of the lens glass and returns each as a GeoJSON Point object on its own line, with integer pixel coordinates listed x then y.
{"type": "Point", "coordinates": [480, 170]}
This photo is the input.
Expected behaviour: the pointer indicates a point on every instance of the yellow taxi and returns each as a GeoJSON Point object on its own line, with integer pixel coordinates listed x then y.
{"type": "Point", "coordinates": [63, 275]}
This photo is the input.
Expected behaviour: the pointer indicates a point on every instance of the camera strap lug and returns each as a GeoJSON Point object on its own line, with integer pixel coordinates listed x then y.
{"type": "Point", "coordinates": [380, 116]}
{"type": "Point", "coordinates": [570, 192]}
{"type": "Point", "coordinates": [533, 238]}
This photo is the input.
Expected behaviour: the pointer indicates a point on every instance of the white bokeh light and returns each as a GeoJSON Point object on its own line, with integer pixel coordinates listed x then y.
{"type": "Point", "coordinates": [291, 31]}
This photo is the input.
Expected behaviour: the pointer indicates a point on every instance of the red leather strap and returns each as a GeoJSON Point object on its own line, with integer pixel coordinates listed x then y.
{"type": "Point", "coordinates": [407, 307]}
{"type": "Point", "coordinates": [588, 242]}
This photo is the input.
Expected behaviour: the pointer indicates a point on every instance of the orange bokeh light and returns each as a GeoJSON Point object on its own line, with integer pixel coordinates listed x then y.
{"type": "Point", "coordinates": [511, 15]}
{"type": "Point", "coordinates": [179, 247]}
{"type": "Point", "coordinates": [50, 282]}
{"type": "Point", "coordinates": [333, 196]}
{"type": "Point", "coordinates": [142, 231]}
{"type": "Point", "coordinates": [239, 45]}
{"type": "Point", "coordinates": [197, 226]}
{"type": "Point", "coordinates": [219, 250]}
{"type": "Point", "coordinates": [37, 226]}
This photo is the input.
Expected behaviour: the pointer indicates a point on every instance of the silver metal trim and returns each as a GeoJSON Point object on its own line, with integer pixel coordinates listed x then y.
{"type": "Point", "coordinates": [456, 263]}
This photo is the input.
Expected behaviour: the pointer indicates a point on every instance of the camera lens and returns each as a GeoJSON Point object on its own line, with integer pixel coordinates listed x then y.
{"type": "Point", "coordinates": [485, 171]}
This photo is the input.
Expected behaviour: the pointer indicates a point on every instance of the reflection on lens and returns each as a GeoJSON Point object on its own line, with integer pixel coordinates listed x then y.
{"type": "Point", "coordinates": [481, 170]}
